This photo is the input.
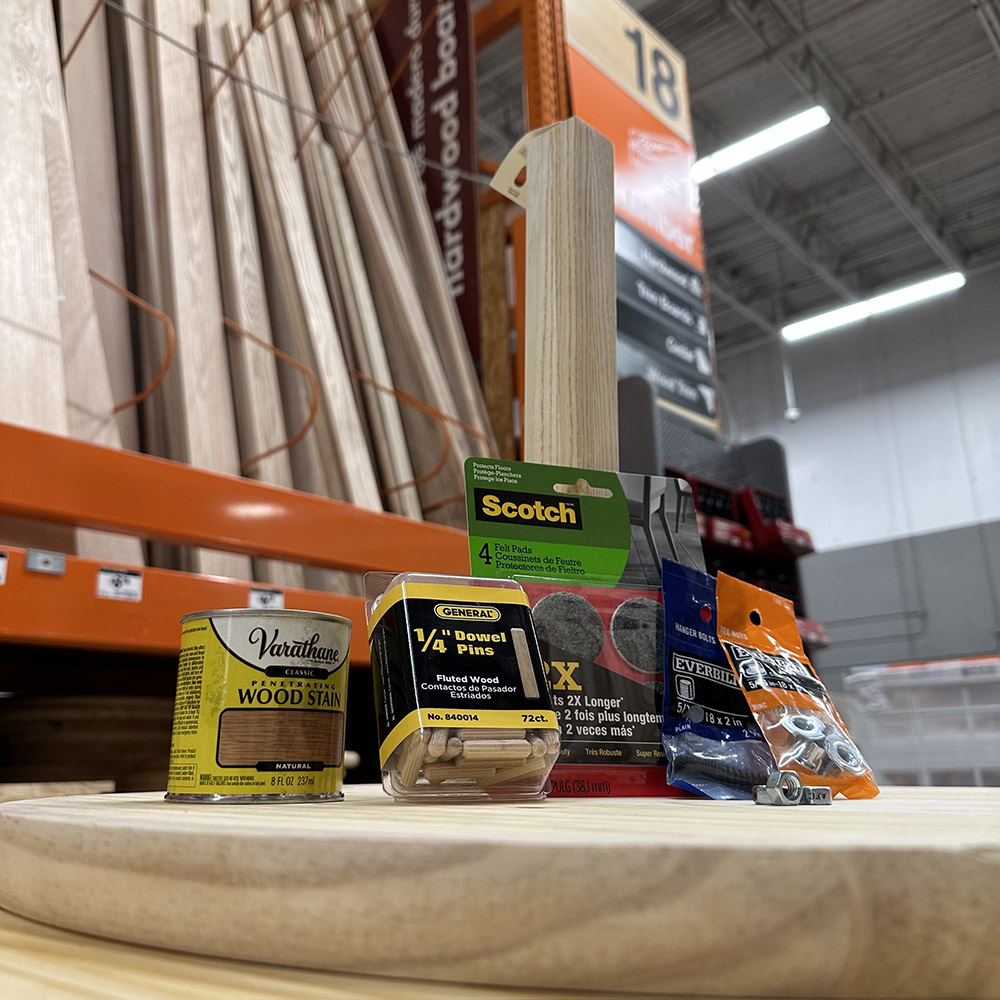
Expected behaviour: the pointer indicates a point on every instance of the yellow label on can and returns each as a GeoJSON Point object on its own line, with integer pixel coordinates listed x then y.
{"type": "Point", "coordinates": [260, 708]}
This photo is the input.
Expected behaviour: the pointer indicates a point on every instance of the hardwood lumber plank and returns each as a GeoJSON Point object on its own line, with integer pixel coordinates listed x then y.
{"type": "Point", "coordinates": [89, 108]}
{"type": "Point", "coordinates": [150, 341]}
{"type": "Point", "coordinates": [260, 421]}
{"type": "Point", "coordinates": [383, 409]}
{"type": "Point", "coordinates": [494, 310]}
{"type": "Point", "coordinates": [197, 389]}
{"type": "Point", "coordinates": [89, 401]}
{"type": "Point", "coordinates": [32, 379]}
{"type": "Point", "coordinates": [413, 355]}
{"type": "Point", "coordinates": [336, 24]}
{"type": "Point", "coordinates": [333, 228]}
{"type": "Point", "coordinates": [348, 467]}
{"type": "Point", "coordinates": [311, 456]}
{"type": "Point", "coordinates": [158, 433]}
{"type": "Point", "coordinates": [293, 83]}
{"type": "Point", "coordinates": [439, 304]}
{"type": "Point", "coordinates": [571, 385]}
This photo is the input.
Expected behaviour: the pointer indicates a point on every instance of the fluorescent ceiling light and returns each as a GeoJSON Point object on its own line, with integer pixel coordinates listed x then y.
{"type": "Point", "coordinates": [759, 143]}
{"type": "Point", "coordinates": [875, 306]}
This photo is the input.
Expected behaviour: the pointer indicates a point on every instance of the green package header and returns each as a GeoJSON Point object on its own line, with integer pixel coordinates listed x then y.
{"type": "Point", "coordinates": [555, 522]}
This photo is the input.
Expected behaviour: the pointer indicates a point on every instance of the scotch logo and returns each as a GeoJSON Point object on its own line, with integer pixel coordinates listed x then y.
{"type": "Point", "coordinates": [528, 508]}
{"type": "Point", "coordinates": [467, 612]}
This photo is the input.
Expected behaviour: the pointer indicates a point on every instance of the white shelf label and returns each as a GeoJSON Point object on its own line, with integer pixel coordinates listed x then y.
{"type": "Point", "coordinates": [119, 584]}
{"type": "Point", "coordinates": [3, 568]}
{"type": "Point", "coordinates": [265, 599]}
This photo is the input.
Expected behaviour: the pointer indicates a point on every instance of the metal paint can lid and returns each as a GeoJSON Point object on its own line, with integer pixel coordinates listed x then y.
{"type": "Point", "coordinates": [259, 613]}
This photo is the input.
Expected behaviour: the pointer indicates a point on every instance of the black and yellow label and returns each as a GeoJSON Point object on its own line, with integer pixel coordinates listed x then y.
{"type": "Point", "coordinates": [430, 718]}
{"type": "Point", "coordinates": [459, 669]}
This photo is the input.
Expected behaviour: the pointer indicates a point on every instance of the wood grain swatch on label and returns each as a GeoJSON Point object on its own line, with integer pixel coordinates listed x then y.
{"type": "Point", "coordinates": [250, 735]}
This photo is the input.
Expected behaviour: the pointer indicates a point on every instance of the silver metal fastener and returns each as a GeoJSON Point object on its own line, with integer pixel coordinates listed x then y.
{"type": "Point", "coordinates": [808, 727]}
{"type": "Point", "coordinates": [783, 788]}
{"type": "Point", "coordinates": [845, 756]}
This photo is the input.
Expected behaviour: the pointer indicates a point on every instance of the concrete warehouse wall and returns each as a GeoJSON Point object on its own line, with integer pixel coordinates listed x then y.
{"type": "Point", "coordinates": [895, 468]}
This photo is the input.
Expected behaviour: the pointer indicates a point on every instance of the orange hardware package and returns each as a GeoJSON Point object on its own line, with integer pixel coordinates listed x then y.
{"type": "Point", "coordinates": [758, 631]}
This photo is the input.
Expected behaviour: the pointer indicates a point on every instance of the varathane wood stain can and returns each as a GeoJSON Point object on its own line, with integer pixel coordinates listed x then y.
{"type": "Point", "coordinates": [259, 714]}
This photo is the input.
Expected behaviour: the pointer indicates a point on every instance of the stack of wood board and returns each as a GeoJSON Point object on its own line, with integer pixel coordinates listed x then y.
{"type": "Point", "coordinates": [57, 376]}
{"type": "Point", "coordinates": [418, 367]}
{"type": "Point", "coordinates": [259, 417]}
{"type": "Point", "coordinates": [240, 165]}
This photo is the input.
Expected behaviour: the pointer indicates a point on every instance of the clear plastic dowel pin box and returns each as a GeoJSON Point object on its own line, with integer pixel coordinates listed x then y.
{"type": "Point", "coordinates": [462, 703]}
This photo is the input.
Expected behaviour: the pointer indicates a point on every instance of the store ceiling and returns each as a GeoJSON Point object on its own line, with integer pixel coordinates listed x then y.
{"type": "Point", "coordinates": [903, 184]}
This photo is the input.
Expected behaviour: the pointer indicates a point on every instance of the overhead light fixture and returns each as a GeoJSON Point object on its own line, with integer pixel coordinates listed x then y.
{"type": "Point", "coordinates": [875, 306]}
{"type": "Point", "coordinates": [759, 143]}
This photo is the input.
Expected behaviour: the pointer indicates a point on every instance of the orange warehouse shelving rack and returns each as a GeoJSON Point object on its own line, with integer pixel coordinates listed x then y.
{"type": "Point", "coordinates": [61, 481]}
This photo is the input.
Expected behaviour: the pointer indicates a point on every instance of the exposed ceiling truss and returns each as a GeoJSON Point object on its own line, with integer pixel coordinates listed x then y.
{"type": "Point", "coordinates": [816, 77]}
{"type": "Point", "coordinates": [902, 184]}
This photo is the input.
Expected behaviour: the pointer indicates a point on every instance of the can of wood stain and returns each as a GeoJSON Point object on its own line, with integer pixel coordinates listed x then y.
{"type": "Point", "coordinates": [259, 713]}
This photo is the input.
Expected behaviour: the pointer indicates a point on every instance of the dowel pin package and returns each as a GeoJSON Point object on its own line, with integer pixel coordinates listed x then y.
{"type": "Point", "coordinates": [463, 709]}
{"type": "Point", "coordinates": [588, 547]}
{"type": "Point", "coordinates": [806, 735]}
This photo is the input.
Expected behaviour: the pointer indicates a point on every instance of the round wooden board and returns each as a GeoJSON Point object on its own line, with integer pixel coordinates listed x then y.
{"type": "Point", "coordinates": [896, 897]}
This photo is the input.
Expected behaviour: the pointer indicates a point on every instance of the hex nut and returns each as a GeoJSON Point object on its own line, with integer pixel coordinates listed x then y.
{"type": "Point", "coordinates": [845, 756]}
{"type": "Point", "coordinates": [809, 755]}
{"type": "Point", "coordinates": [783, 788]}
{"type": "Point", "coordinates": [808, 727]}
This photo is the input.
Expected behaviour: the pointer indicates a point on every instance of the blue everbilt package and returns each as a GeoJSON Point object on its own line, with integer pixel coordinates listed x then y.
{"type": "Point", "coordinates": [713, 745]}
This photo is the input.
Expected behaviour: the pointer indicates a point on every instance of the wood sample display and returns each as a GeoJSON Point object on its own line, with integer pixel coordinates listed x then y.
{"type": "Point", "coordinates": [571, 385]}
{"type": "Point", "coordinates": [888, 897]}
{"type": "Point", "coordinates": [495, 325]}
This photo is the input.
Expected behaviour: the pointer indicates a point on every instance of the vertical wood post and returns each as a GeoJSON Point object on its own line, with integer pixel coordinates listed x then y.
{"type": "Point", "coordinates": [571, 384]}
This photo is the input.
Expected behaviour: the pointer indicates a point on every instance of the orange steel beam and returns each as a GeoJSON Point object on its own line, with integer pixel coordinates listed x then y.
{"type": "Point", "coordinates": [55, 479]}
{"type": "Point", "coordinates": [540, 39]}
{"type": "Point", "coordinates": [495, 19]}
{"type": "Point", "coordinates": [49, 609]}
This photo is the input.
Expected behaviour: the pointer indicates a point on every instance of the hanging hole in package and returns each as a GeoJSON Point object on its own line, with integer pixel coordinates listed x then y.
{"type": "Point", "coordinates": [463, 710]}
{"type": "Point", "coordinates": [587, 547]}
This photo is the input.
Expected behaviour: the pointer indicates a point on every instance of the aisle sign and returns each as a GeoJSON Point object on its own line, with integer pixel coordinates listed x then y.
{"type": "Point", "coordinates": [631, 85]}
{"type": "Point", "coordinates": [435, 94]}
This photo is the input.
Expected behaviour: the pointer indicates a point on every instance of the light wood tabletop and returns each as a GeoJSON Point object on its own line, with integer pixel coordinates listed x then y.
{"type": "Point", "coordinates": [897, 896]}
{"type": "Point", "coordinates": [38, 962]}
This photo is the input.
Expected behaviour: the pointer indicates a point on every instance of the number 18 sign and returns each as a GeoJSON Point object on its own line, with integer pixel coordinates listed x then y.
{"type": "Point", "coordinates": [631, 85]}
